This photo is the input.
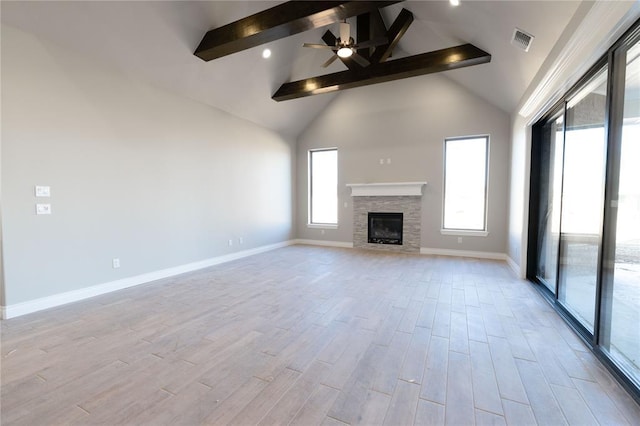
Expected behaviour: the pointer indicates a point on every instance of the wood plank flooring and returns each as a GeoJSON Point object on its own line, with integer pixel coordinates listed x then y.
{"type": "Point", "coordinates": [308, 336]}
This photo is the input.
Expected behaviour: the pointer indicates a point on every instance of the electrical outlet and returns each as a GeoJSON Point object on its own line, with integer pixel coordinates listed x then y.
{"type": "Point", "coordinates": [459, 240]}
{"type": "Point", "coordinates": [322, 232]}
{"type": "Point", "coordinates": [116, 263]}
{"type": "Point", "coordinates": [241, 240]}
{"type": "Point", "coordinates": [230, 242]}
{"type": "Point", "coordinates": [382, 161]}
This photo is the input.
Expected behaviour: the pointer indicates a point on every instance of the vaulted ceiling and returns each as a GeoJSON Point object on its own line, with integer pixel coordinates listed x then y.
{"type": "Point", "coordinates": [155, 42]}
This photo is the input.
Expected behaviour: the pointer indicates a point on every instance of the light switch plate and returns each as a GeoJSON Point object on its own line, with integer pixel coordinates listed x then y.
{"type": "Point", "coordinates": [43, 208]}
{"type": "Point", "coordinates": [43, 191]}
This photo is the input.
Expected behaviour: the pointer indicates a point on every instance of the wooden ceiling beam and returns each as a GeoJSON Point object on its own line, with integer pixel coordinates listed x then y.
{"type": "Point", "coordinates": [281, 21]}
{"type": "Point", "coordinates": [426, 63]}
{"type": "Point", "coordinates": [369, 27]}
{"type": "Point", "coordinates": [395, 33]}
{"type": "Point", "coordinates": [363, 33]}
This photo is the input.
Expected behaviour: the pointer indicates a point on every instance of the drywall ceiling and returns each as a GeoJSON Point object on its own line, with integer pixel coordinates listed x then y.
{"type": "Point", "coordinates": [154, 41]}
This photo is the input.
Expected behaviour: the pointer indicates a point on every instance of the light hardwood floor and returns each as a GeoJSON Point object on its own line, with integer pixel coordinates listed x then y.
{"type": "Point", "coordinates": [308, 335]}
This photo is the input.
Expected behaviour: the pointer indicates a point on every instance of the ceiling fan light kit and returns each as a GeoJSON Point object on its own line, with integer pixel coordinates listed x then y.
{"type": "Point", "coordinates": [341, 50]}
{"type": "Point", "coordinates": [345, 46]}
{"type": "Point", "coordinates": [345, 52]}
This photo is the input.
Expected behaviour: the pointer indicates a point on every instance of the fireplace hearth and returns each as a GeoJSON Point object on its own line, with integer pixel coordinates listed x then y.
{"type": "Point", "coordinates": [385, 228]}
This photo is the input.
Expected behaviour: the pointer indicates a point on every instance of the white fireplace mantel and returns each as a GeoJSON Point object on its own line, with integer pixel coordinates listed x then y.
{"type": "Point", "coordinates": [386, 189]}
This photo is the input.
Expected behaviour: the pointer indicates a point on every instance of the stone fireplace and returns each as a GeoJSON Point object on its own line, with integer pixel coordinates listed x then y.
{"type": "Point", "coordinates": [388, 201]}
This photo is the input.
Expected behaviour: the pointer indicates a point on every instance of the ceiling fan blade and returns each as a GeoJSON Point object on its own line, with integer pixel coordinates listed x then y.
{"type": "Point", "coordinates": [360, 60]}
{"type": "Point", "coordinates": [379, 41]}
{"type": "Point", "coordinates": [330, 61]}
{"type": "Point", "coordinates": [318, 46]}
{"type": "Point", "coordinates": [345, 32]}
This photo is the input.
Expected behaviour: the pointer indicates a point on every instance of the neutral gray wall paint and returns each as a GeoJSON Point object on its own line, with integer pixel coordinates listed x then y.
{"type": "Point", "coordinates": [519, 190]}
{"type": "Point", "coordinates": [407, 121]}
{"type": "Point", "coordinates": [1, 239]}
{"type": "Point", "coordinates": [135, 173]}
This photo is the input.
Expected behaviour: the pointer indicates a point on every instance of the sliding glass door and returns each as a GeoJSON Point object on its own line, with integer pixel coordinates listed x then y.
{"type": "Point", "coordinates": [582, 199]}
{"type": "Point", "coordinates": [584, 213]}
{"type": "Point", "coordinates": [549, 202]}
{"type": "Point", "coordinates": [621, 290]}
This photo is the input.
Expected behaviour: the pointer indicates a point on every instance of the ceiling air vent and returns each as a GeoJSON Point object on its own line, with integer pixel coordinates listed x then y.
{"type": "Point", "coordinates": [522, 39]}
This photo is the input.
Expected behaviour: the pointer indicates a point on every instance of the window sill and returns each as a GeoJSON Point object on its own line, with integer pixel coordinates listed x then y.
{"type": "Point", "coordinates": [322, 226]}
{"type": "Point", "coordinates": [463, 233]}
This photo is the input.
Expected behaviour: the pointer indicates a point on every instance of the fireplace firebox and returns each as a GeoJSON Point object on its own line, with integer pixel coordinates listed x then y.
{"type": "Point", "coordinates": [385, 228]}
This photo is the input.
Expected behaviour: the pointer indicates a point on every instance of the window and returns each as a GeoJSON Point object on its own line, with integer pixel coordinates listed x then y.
{"type": "Point", "coordinates": [323, 187]}
{"type": "Point", "coordinates": [465, 184]}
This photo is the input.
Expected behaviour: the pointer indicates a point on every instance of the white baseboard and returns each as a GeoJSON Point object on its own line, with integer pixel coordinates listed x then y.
{"type": "Point", "coordinates": [324, 243]}
{"type": "Point", "coordinates": [514, 267]}
{"type": "Point", "coordinates": [463, 253]}
{"type": "Point", "coordinates": [40, 304]}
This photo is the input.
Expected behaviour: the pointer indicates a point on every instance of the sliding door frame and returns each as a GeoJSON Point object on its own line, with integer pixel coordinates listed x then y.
{"type": "Point", "coordinates": [615, 60]}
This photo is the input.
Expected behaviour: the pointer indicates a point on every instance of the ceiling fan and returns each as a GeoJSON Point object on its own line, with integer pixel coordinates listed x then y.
{"type": "Point", "coordinates": [346, 46]}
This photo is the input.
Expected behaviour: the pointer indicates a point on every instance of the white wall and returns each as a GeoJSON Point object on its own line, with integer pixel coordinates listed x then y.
{"type": "Point", "coordinates": [1, 238]}
{"type": "Point", "coordinates": [407, 121]}
{"type": "Point", "coordinates": [519, 189]}
{"type": "Point", "coordinates": [135, 173]}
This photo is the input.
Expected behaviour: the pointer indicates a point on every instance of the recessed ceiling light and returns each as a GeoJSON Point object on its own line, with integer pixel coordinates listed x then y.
{"type": "Point", "coordinates": [454, 2]}
{"type": "Point", "coordinates": [266, 53]}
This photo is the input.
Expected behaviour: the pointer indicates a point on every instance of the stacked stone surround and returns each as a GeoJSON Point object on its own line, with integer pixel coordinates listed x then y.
{"type": "Point", "coordinates": [410, 206]}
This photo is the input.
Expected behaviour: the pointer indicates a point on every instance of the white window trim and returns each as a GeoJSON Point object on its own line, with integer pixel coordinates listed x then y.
{"type": "Point", "coordinates": [322, 226]}
{"type": "Point", "coordinates": [464, 232]}
{"type": "Point", "coordinates": [467, 232]}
